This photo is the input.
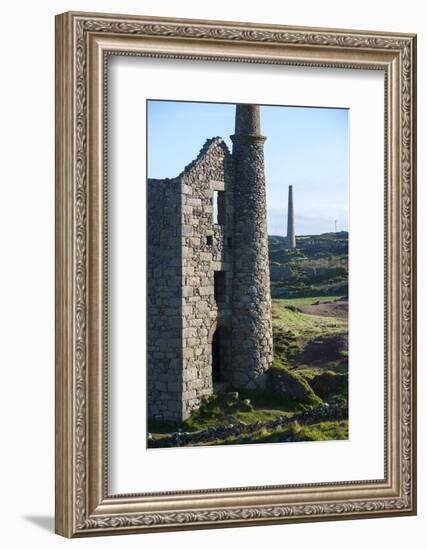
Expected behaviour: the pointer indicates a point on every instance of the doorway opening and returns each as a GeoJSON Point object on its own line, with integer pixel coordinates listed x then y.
{"type": "Point", "coordinates": [220, 356]}
{"type": "Point", "coordinates": [220, 287]}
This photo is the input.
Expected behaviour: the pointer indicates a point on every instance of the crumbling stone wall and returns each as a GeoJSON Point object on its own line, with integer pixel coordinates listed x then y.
{"type": "Point", "coordinates": [208, 280]}
{"type": "Point", "coordinates": [205, 250]}
{"type": "Point", "coordinates": [191, 251]}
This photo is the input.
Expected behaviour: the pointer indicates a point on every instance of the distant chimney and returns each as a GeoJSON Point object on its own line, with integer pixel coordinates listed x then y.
{"type": "Point", "coordinates": [290, 237]}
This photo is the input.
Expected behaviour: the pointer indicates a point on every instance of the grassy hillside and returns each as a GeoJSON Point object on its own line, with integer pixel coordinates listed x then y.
{"type": "Point", "coordinates": [315, 347]}
{"type": "Point", "coordinates": [309, 373]}
{"type": "Point", "coordinates": [318, 266]}
{"type": "Point", "coordinates": [305, 398]}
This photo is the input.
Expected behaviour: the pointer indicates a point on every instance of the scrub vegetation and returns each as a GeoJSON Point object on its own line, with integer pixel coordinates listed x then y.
{"type": "Point", "coordinates": [310, 367]}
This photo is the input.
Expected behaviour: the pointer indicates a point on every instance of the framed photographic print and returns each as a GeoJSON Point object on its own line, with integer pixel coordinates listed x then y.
{"type": "Point", "coordinates": [235, 274]}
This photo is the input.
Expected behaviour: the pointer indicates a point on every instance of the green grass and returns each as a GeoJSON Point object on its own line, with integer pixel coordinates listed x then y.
{"type": "Point", "coordinates": [303, 325]}
{"type": "Point", "coordinates": [318, 266]}
{"type": "Point", "coordinates": [269, 401]}
{"type": "Point", "coordinates": [308, 300]}
{"type": "Point", "coordinates": [292, 379]}
{"type": "Point", "coordinates": [216, 418]}
{"type": "Point", "coordinates": [309, 372]}
{"type": "Point", "coordinates": [215, 412]}
{"type": "Point", "coordinates": [321, 431]}
{"type": "Point", "coordinates": [293, 330]}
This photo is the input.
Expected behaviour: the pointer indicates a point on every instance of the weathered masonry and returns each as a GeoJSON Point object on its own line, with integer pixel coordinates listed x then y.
{"type": "Point", "coordinates": [209, 307]}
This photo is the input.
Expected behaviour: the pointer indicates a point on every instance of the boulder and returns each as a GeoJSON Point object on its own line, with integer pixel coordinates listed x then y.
{"type": "Point", "coordinates": [328, 383]}
{"type": "Point", "coordinates": [290, 385]}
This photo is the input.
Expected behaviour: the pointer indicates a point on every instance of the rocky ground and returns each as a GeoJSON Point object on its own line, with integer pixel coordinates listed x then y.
{"type": "Point", "coordinates": [306, 395]}
{"type": "Point", "coordinates": [324, 415]}
{"type": "Point", "coordinates": [318, 266]}
{"type": "Point", "coordinates": [307, 392]}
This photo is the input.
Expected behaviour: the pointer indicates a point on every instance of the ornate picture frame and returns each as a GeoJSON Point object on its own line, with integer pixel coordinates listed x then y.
{"type": "Point", "coordinates": [84, 42]}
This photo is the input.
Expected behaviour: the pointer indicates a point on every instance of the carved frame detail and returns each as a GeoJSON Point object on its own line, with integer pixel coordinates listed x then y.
{"type": "Point", "coordinates": [83, 42]}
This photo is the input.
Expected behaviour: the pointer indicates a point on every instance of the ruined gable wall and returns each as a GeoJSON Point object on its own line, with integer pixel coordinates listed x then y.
{"type": "Point", "coordinates": [185, 247]}
{"type": "Point", "coordinates": [212, 170]}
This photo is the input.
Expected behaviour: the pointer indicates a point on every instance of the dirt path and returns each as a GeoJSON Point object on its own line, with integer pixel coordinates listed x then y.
{"type": "Point", "coordinates": [339, 309]}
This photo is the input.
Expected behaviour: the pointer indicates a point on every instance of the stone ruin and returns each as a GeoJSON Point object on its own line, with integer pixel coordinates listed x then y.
{"type": "Point", "coordinates": [209, 322]}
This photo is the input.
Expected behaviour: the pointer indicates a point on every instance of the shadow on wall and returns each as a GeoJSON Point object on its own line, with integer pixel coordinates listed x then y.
{"type": "Point", "coordinates": [44, 522]}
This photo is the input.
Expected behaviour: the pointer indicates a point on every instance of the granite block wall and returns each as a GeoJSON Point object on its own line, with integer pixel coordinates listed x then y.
{"type": "Point", "coordinates": [209, 308]}
{"type": "Point", "coordinates": [185, 250]}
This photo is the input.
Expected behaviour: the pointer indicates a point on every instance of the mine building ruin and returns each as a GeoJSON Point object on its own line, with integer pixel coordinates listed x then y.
{"type": "Point", "coordinates": [209, 322]}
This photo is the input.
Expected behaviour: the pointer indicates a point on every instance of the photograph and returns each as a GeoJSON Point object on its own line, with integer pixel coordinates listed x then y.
{"type": "Point", "coordinates": [247, 274]}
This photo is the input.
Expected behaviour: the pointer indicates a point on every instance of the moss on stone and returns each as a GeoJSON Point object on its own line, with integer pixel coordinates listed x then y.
{"type": "Point", "coordinates": [291, 385]}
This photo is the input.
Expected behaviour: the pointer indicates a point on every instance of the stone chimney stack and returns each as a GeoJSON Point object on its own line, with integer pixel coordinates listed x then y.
{"type": "Point", "coordinates": [290, 237]}
{"type": "Point", "coordinates": [252, 336]}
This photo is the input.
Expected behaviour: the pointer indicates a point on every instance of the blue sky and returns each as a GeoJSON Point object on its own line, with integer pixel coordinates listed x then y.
{"type": "Point", "coordinates": [306, 147]}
